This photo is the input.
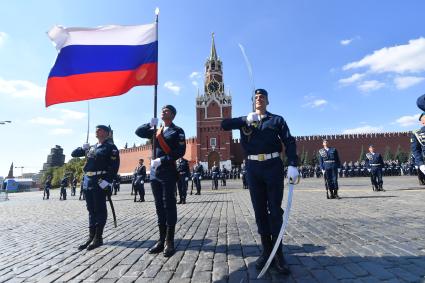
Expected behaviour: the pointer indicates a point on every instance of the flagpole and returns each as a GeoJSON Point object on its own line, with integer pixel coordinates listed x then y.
{"type": "Point", "coordinates": [155, 99]}
{"type": "Point", "coordinates": [88, 121]}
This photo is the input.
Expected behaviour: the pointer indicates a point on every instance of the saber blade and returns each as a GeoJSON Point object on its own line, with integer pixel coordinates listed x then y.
{"type": "Point", "coordinates": [281, 233]}
{"type": "Point", "coordinates": [251, 76]}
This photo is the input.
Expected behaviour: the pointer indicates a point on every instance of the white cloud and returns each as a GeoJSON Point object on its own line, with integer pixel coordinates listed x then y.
{"type": "Point", "coordinates": [20, 88]}
{"type": "Point", "coordinates": [406, 82]}
{"type": "Point", "coordinates": [346, 41]}
{"type": "Point", "coordinates": [354, 78]}
{"type": "Point", "coordinates": [195, 78]}
{"type": "Point", "coordinates": [363, 130]}
{"type": "Point", "coordinates": [195, 75]}
{"type": "Point", "coordinates": [406, 121]}
{"type": "Point", "coordinates": [46, 121]}
{"type": "Point", "coordinates": [399, 59]}
{"type": "Point", "coordinates": [72, 115]}
{"type": "Point", "coordinates": [3, 37]}
{"type": "Point", "coordinates": [370, 85]}
{"type": "Point", "coordinates": [172, 87]}
{"type": "Point", "coordinates": [316, 103]}
{"type": "Point", "coordinates": [60, 132]}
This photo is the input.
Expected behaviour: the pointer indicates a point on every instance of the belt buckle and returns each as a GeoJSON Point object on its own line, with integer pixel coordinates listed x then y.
{"type": "Point", "coordinates": [261, 157]}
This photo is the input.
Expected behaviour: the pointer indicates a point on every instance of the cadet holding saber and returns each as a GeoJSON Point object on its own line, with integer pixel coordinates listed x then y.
{"type": "Point", "coordinates": [100, 169]}
{"type": "Point", "coordinates": [262, 134]}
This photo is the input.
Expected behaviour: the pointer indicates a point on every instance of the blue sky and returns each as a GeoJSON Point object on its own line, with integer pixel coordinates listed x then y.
{"type": "Point", "coordinates": [329, 66]}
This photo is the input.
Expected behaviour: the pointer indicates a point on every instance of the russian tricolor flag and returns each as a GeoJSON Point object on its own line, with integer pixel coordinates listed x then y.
{"type": "Point", "coordinates": [101, 62]}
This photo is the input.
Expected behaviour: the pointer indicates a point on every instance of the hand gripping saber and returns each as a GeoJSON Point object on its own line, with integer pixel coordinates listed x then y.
{"type": "Point", "coordinates": [281, 233]}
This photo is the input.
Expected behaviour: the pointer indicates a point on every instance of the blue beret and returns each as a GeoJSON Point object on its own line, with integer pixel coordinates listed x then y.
{"type": "Point", "coordinates": [171, 108]}
{"type": "Point", "coordinates": [263, 92]}
{"type": "Point", "coordinates": [423, 113]}
{"type": "Point", "coordinates": [103, 127]}
{"type": "Point", "coordinates": [421, 102]}
{"type": "Point", "coordinates": [371, 145]}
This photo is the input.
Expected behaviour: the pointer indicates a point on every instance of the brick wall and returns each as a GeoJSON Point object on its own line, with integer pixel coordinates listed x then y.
{"type": "Point", "coordinates": [349, 148]}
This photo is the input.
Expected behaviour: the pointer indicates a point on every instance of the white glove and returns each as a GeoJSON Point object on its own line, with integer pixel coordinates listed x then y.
{"type": "Point", "coordinates": [293, 175]}
{"type": "Point", "coordinates": [200, 178]}
{"type": "Point", "coordinates": [154, 122]}
{"type": "Point", "coordinates": [142, 182]}
{"type": "Point", "coordinates": [339, 170]}
{"type": "Point", "coordinates": [323, 171]}
{"type": "Point", "coordinates": [422, 168]}
{"type": "Point", "coordinates": [252, 117]}
{"type": "Point", "coordinates": [103, 184]}
{"type": "Point", "coordinates": [186, 179]}
{"type": "Point", "coordinates": [155, 163]}
{"type": "Point", "coordinates": [368, 169]}
{"type": "Point", "coordinates": [85, 146]}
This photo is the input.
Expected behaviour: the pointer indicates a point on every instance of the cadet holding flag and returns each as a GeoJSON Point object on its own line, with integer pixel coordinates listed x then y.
{"type": "Point", "coordinates": [170, 145]}
{"type": "Point", "coordinates": [100, 169]}
{"type": "Point", "coordinates": [262, 134]}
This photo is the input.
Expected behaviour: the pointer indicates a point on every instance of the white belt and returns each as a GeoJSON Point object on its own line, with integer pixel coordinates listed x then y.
{"type": "Point", "coordinates": [329, 161]}
{"type": "Point", "coordinates": [375, 164]}
{"type": "Point", "coordinates": [263, 156]}
{"type": "Point", "coordinates": [90, 174]}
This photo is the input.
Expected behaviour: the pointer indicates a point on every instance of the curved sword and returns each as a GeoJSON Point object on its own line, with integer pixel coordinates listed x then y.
{"type": "Point", "coordinates": [281, 233]}
{"type": "Point", "coordinates": [108, 196]}
{"type": "Point", "coordinates": [251, 76]}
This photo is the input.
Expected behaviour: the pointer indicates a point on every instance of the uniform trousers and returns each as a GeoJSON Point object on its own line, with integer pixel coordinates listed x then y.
{"type": "Point", "coordinates": [265, 183]}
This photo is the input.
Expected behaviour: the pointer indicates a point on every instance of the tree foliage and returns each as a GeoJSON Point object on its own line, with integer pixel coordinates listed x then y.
{"type": "Point", "coordinates": [74, 168]}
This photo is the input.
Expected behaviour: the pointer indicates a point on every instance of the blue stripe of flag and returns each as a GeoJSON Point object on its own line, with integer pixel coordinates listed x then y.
{"type": "Point", "coordinates": [82, 59]}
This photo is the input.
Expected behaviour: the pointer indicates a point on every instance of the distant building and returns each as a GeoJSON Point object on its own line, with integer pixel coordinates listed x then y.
{"type": "Point", "coordinates": [56, 158]}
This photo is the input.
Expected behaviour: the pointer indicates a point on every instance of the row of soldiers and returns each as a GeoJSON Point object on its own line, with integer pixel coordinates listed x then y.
{"type": "Point", "coordinates": [184, 175]}
{"type": "Point", "coordinates": [64, 183]}
{"type": "Point", "coordinates": [360, 169]}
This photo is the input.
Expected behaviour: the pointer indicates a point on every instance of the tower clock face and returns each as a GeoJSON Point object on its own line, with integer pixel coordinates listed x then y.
{"type": "Point", "coordinates": [213, 86]}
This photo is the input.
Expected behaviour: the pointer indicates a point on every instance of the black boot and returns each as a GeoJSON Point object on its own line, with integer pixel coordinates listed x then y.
{"type": "Point", "coordinates": [279, 261]}
{"type": "Point", "coordinates": [169, 249]}
{"type": "Point", "coordinates": [336, 194]}
{"type": "Point", "coordinates": [183, 200]}
{"type": "Point", "coordinates": [159, 246]}
{"type": "Point", "coordinates": [98, 239]}
{"type": "Point", "coordinates": [266, 242]}
{"type": "Point", "coordinates": [180, 201]}
{"type": "Point", "coordinates": [92, 231]}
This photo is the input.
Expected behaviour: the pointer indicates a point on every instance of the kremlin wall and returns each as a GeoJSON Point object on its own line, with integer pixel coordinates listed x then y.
{"type": "Point", "coordinates": [349, 147]}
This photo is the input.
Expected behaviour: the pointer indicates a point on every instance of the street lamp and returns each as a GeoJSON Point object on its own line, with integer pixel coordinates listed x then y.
{"type": "Point", "coordinates": [5, 122]}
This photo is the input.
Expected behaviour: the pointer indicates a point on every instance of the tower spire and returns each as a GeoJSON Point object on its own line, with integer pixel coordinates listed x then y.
{"type": "Point", "coordinates": [213, 54]}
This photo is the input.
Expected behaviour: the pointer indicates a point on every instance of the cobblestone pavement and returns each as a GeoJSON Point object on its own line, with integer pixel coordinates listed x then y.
{"type": "Point", "coordinates": [364, 237]}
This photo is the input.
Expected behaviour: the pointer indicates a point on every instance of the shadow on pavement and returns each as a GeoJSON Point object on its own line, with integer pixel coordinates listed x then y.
{"type": "Point", "coordinates": [361, 197]}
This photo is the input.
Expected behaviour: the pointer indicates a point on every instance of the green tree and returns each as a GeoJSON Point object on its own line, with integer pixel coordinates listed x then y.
{"type": "Point", "coordinates": [397, 152]}
{"type": "Point", "coordinates": [301, 157]}
{"type": "Point", "coordinates": [387, 154]}
{"type": "Point", "coordinates": [401, 155]}
{"type": "Point", "coordinates": [306, 158]}
{"type": "Point", "coordinates": [314, 160]}
{"type": "Point", "coordinates": [57, 176]}
{"type": "Point", "coordinates": [362, 153]}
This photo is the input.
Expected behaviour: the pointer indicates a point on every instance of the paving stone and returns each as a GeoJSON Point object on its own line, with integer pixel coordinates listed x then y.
{"type": "Point", "coordinates": [363, 237]}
